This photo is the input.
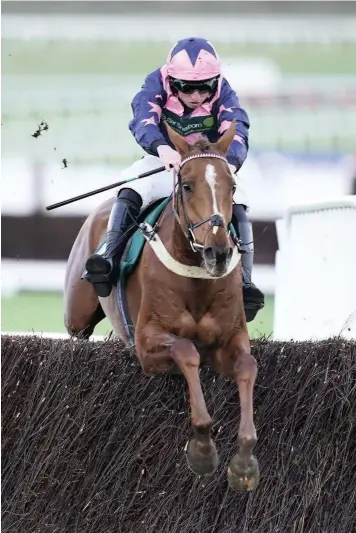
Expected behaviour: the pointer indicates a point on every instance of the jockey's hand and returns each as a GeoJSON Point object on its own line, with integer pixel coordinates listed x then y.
{"type": "Point", "coordinates": [169, 157]}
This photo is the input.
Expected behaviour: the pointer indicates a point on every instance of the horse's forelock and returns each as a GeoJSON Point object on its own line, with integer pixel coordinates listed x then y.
{"type": "Point", "coordinates": [202, 146]}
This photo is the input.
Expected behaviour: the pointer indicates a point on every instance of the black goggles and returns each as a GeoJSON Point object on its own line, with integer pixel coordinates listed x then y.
{"type": "Point", "coordinates": [189, 87]}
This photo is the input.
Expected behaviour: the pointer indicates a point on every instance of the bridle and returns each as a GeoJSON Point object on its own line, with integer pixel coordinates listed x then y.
{"type": "Point", "coordinates": [215, 220]}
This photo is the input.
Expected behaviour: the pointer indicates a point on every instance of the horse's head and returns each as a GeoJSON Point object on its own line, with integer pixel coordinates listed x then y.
{"type": "Point", "coordinates": [203, 198]}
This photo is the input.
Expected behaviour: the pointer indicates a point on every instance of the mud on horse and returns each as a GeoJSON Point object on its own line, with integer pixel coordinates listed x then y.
{"type": "Point", "coordinates": [199, 279]}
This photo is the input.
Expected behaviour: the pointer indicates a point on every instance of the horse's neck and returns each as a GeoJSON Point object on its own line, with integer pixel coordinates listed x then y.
{"type": "Point", "coordinates": [197, 295]}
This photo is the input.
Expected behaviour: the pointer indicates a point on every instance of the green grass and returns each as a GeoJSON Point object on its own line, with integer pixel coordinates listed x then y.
{"type": "Point", "coordinates": [29, 311]}
{"type": "Point", "coordinates": [63, 57]}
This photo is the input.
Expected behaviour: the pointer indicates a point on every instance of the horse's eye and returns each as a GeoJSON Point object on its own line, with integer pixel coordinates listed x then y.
{"type": "Point", "coordinates": [233, 189]}
{"type": "Point", "coordinates": [187, 187]}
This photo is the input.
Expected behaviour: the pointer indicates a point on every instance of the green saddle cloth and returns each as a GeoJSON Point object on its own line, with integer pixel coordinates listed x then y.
{"type": "Point", "coordinates": [137, 242]}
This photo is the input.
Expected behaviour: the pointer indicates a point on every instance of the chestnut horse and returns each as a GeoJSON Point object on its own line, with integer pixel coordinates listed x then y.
{"type": "Point", "coordinates": [186, 303]}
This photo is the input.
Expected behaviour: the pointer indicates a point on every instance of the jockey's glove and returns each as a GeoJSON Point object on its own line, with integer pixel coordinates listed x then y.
{"type": "Point", "coordinates": [169, 157]}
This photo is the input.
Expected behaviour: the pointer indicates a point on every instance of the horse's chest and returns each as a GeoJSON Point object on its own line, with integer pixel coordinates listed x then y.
{"type": "Point", "coordinates": [205, 330]}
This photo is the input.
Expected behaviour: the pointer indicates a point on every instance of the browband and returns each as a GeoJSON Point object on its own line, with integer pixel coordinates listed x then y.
{"type": "Point", "coordinates": [196, 156]}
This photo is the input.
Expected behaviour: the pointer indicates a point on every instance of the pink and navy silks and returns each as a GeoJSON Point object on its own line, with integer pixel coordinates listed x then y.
{"type": "Point", "coordinates": [190, 59]}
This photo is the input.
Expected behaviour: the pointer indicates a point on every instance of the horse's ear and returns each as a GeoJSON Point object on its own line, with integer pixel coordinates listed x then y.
{"type": "Point", "coordinates": [181, 145]}
{"type": "Point", "coordinates": [225, 141]}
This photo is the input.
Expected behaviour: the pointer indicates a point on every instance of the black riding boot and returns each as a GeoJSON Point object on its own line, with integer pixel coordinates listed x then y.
{"type": "Point", "coordinates": [253, 297]}
{"type": "Point", "coordinates": [100, 268]}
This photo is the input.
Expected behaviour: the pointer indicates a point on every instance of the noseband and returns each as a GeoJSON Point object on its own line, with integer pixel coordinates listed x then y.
{"type": "Point", "coordinates": [215, 220]}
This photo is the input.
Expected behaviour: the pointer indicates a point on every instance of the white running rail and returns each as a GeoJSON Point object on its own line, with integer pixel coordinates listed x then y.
{"type": "Point", "coordinates": [315, 292]}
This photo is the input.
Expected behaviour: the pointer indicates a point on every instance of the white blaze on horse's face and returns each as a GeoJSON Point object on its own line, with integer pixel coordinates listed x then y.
{"type": "Point", "coordinates": [210, 176]}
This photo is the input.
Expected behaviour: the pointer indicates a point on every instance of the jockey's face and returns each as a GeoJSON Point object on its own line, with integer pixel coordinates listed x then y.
{"type": "Point", "coordinates": [193, 93]}
{"type": "Point", "coordinates": [194, 99]}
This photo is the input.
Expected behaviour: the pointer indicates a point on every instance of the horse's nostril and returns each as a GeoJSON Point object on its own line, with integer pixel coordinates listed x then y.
{"type": "Point", "coordinates": [209, 253]}
{"type": "Point", "coordinates": [223, 255]}
{"type": "Point", "coordinates": [219, 254]}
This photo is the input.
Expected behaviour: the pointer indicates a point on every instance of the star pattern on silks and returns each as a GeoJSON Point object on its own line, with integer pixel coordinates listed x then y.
{"type": "Point", "coordinates": [222, 108]}
{"type": "Point", "coordinates": [225, 126]}
{"type": "Point", "coordinates": [148, 121]}
{"type": "Point", "coordinates": [155, 109]}
{"type": "Point", "coordinates": [192, 46]}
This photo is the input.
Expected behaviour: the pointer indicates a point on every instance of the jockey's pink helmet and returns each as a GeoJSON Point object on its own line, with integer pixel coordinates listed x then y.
{"type": "Point", "coordinates": [193, 59]}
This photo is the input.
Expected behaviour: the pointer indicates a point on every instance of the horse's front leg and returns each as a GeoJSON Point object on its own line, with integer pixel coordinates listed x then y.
{"type": "Point", "coordinates": [243, 471]}
{"type": "Point", "coordinates": [157, 351]}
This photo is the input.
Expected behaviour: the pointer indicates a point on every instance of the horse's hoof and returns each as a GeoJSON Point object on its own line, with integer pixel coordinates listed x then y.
{"type": "Point", "coordinates": [202, 464]}
{"type": "Point", "coordinates": [242, 474]}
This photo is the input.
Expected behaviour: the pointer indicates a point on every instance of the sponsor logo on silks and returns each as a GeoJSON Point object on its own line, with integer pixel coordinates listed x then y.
{"type": "Point", "coordinates": [186, 126]}
{"type": "Point", "coordinates": [209, 122]}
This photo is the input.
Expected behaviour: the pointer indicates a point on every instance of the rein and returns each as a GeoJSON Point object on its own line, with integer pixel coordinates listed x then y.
{"type": "Point", "coordinates": [215, 220]}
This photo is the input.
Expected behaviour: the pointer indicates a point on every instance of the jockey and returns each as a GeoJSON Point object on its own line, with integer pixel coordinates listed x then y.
{"type": "Point", "coordinates": [189, 92]}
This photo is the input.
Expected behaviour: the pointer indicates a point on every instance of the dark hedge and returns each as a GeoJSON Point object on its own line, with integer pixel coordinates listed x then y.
{"type": "Point", "coordinates": [91, 445]}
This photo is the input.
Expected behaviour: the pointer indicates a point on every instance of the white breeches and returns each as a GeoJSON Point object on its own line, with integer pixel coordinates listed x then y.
{"type": "Point", "coordinates": [160, 185]}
